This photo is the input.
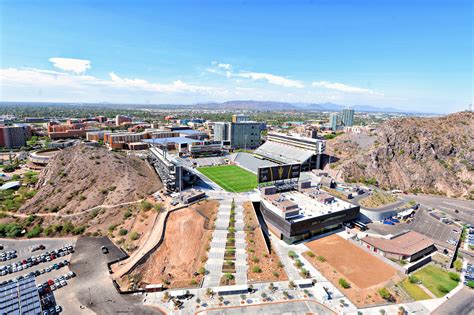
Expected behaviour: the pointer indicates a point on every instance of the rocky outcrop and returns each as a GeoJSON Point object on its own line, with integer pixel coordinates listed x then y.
{"type": "Point", "coordinates": [428, 155]}
{"type": "Point", "coordinates": [82, 177]}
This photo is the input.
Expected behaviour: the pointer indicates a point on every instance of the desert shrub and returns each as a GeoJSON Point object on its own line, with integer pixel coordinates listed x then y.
{"type": "Point", "coordinates": [134, 236]}
{"type": "Point", "coordinates": [413, 279]}
{"type": "Point", "coordinates": [443, 288]}
{"type": "Point", "coordinates": [343, 283]}
{"type": "Point", "coordinates": [159, 207]}
{"type": "Point", "coordinates": [256, 269]}
{"type": "Point", "coordinates": [454, 276]}
{"type": "Point", "coordinates": [146, 205]}
{"type": "Point", "coordinates": [385, 294]}
{"type": "Point", "coordinates": [311, 254]}
{"type": "Point", "coordinates": [321, 258]}
{"type": "Point", "coordinates": [123, 232]}
{"type": "Point", "coordinates": [127, 214]}
{"type": "Point", "coordinates": [78, 230]}
{"type": "Point", "coordinates": [34, 232]}
{"type": "Point", "coordinates": [292, 254]}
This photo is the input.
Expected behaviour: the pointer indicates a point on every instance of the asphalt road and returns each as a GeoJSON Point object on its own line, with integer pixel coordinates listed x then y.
{"type": "Point", "coordinates": [465, 208]}
{"type": "Point", "coordinates": [287, 308]}
{"type": "Point", "coordinates": [462, 303]}
{"type": "Point", "coordinates": [94, 289]}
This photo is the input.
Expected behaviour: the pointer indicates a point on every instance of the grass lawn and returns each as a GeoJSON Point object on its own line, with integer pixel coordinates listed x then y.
{"type": "Point", "coordinates": [414, 290]}
{"type": "Point", "coordinates": [433, 277]}
{"type": "Point", "coordinates": [230, 177]}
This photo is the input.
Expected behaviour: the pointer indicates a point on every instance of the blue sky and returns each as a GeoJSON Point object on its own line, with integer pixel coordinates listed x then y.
{"type": "Point", "coordinates": [414, 55]}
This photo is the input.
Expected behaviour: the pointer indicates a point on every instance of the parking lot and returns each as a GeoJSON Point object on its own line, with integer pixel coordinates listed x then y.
{"type": "Point", "coordinates": [43, 259]}
{"type": "Point", "coordinates": [456, 208]}
{"type": "Point", "coordinates": [87, 290]}
{"type": "Point", "coordinates": [441, 233]}
{"type": "Point", "coordinates": [94, 291]}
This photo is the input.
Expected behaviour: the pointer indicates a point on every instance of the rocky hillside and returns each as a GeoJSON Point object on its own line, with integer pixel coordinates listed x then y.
{"type": "Point", "coordinates": [81, 177]}
{"type": "Point", "coordinates": [426, 155]}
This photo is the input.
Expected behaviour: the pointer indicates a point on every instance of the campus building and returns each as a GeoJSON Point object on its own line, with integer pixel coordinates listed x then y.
{"type": "Point", "coordinates": [292, 149]}
{"type": "Point", "coordinates": [245, 135]}
{"type": "Point", "coordinates": [71, 129]}
{"type": "Point", "coordinates": [14, 136]}
{"type": "Point", "coordinates": [240, 118]}
{"type": "Point", "coordinates": [348, 117]}
{"type": "Point", "coordinates": [221, 131]}
{"type": "Point", "coordinates": [408, 246]}
{"type": "Point", "coordinates": [300, 214]}
{"type": "Point", "coordinates": [121, 119]}
{"type": "Point", "coordinates": [242, 134]}
{"type": "Point", "coordinates": [333, 121]}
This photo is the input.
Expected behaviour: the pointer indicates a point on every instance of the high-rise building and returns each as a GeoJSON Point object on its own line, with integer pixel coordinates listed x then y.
{"type": "Point", "coordinates": [242, 135]}
{"type": "Point", "coordinates": [245, 135]}
{"type": "Point", "coordinates": [221, 131]}
{"type": "Point", "coordinates": [348, 116]}
{"type": "Point", "coordinates": [333, 121]}
{"type": "Point", "coordinates": [14, 136]}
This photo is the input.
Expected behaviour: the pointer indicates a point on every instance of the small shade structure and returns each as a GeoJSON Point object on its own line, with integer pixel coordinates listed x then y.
{"type": "Point", "coordinates": [178, 293]}
{"type": "Point", "coordinates": [304, 283]}
{"type": "Point", "coordinates": [232, 289]}
{"type": "Point", "coordinates": [10, 185]}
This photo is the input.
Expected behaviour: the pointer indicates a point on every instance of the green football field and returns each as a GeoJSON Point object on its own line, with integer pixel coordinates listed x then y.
{"type": "Point", "coordinates": [230, 177]}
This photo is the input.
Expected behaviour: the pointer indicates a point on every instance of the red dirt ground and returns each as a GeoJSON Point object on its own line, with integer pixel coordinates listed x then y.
{"type": "Point", "coordinates": [365, 273]}
{"type": "Point", "coordinates": [359, 267]}
{"type": "Point", "coordinates": [184, 249]}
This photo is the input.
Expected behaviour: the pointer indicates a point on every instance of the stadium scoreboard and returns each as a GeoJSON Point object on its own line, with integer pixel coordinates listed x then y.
{"type": "Point", "coordinates": [278, 172]}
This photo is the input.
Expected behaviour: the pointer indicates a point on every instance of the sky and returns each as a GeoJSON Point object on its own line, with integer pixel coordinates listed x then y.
{"type": "Point", "coordinates": [408, 54]}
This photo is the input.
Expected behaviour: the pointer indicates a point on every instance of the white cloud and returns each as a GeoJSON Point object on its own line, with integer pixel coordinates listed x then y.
{"type": "Point", "coordinates": [225, 66]}
{"type": "Point", "coordinates": [270, 78]}
{"type": "Point", "coordinates": [226, 69]}
{"type": "Point", "coordinates": [77, 66]}
{"type": "Point", "coordinates": [31, 84]}
{"type": "Point", "coordinates": [344, 88]}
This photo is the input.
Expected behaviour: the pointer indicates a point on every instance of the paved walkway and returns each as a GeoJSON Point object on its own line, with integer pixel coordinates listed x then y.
{"type": "Point", "coordinates": [217, 250]}
{"type": "Point", "coordinates": [219, 239]}
{"type": "Point", "coordinates": [240, 244]}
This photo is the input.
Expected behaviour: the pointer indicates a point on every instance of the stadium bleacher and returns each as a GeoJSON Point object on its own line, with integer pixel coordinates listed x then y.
{"type": "Point", "coordinates": [249, 162]}
{"type": "Point", "coordinates": [283, 153]}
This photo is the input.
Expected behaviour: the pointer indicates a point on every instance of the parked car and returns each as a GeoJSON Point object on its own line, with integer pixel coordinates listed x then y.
{"type": "Point", "coordinates": [105, 250]}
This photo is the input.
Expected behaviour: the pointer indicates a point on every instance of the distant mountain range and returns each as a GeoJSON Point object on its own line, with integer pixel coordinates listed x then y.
{"type": "Point", "coordinates": [270, 105]}
{"type": "Point", "coordinates": [234, 105]}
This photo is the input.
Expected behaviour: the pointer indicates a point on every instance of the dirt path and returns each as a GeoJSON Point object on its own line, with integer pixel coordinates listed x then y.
{"type": "Point", "coordinates": [59, 215]}
{"type": "Point", "coordinates": [427, 291]}
{"type": "Point", "coordinates": [153, 236]}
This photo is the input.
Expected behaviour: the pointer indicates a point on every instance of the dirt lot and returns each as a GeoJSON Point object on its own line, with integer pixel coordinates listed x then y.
{"type": "Point", "coordinates": [365, 273]}
{"type": "Point", "coordinates": [184, 249]}
{"type": "Point", "coordinates": [257, 253]}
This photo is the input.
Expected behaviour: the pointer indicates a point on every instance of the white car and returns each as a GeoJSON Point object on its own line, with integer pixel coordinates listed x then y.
{"type": "Point", "coordinates": [63, 283]}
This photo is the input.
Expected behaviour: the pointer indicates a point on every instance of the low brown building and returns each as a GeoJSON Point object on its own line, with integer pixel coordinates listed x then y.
{"type": "Point", "coordinates": [408, 246]}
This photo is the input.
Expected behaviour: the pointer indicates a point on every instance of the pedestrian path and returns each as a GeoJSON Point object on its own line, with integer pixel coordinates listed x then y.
{"type": "Point", "coordinates": [216, 254]}
{"type": "Point", "coordinates": [240, 245]}
{"type": "Point", "coordinates": [217, 250]}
